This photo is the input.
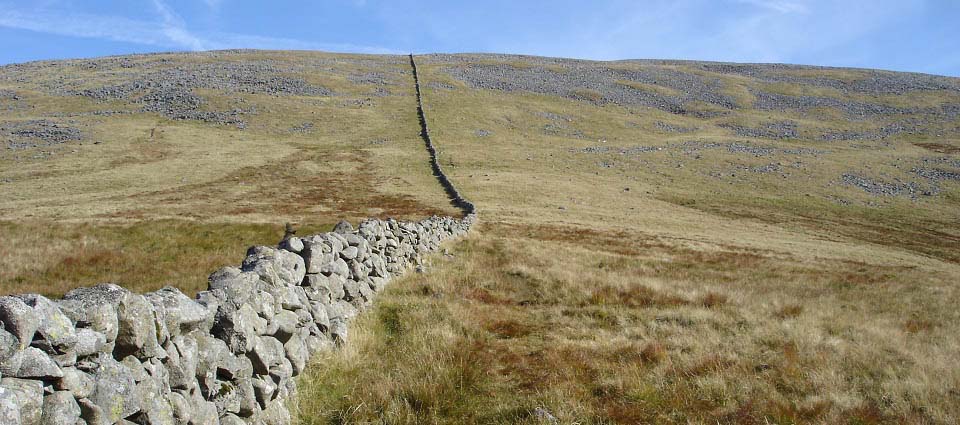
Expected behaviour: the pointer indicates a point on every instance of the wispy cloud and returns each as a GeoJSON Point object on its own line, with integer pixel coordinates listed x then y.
{"type": "Point", "coordinates": [782, 6]}
{"type": "Point", "coordinates": [175, 29]}
{"type": "Point", "coordinates": [168, 31]}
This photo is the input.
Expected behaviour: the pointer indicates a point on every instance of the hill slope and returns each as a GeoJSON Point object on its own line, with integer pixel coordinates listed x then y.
{"type": "Point", "coordinates": [661, 241]}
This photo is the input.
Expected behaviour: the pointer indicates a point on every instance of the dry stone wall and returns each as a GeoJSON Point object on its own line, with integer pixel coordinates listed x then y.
{"type": "Point", "coordinates": [105, 355]}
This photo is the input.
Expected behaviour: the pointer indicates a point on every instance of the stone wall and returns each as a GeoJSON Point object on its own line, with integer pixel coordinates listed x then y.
{"type": "Point", "coordinates": [105, 355]}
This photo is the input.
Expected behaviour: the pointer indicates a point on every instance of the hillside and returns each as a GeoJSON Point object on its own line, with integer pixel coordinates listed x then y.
{"type": "Point", "coordinates": [660, 241]}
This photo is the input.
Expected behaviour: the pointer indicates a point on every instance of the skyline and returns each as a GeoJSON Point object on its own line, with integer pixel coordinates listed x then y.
{"type": "Point", "coordinates": [909, 35]}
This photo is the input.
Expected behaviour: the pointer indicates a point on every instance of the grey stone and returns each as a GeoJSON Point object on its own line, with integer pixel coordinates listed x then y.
{"type": "Point", "coordinates": [95, 307]}
{"type": "Point", "coordinates": [29, 395]}
{"type": "Point", "coordinates": [89, 342]}
{"type": "Point", "coordinates": [231, 419]}
{"type": "Point", "coordinates": [18, 319]}
{"type": "Point", "coordinates": [267, 355]}
{"type": "Point", "coordinates": [138, 330]}
{"type": "Point", "coordinates": [180, 314]}
{"type": "Point", "coordinates": [275, 267]}
{"type": "Point", "coordinates": [181, 407]}
{"type": "Point", "coordinates": [237, 327]}
{"type": "Point", "coordinates": [292, 244]}
{"type": "Point", "coordinates": [56, 332]}
{"type": "Point", "coordinates": [115, 392]}
{"type": "Point", "coordinates": [265, 390]}
{"type": "Point", "coordinates": [9, 407]}
{"type": "Point", "coordinates": [275, 414]}
{"type": "Point", "coordinates": [182, 362]}
{"type": "Point", "coordinates": [349, 253]}
{"type": "Point", "coordinates": [233, 285]}
{"type": "Point", "coordinates": [34, 363]}
{"type": "Point", "coordinates": [60, 408]}
{"type": "Point", "coordinates": [77, 382]}
{"type": "Point", "coordinates": [211, 352]}
{"type": "Point", "coordinates": [9, 347]}
{"type": "Point", "coordinates": [337, 267]}
{"type": "Point", "coordinates": [353, 239]}
{"type": "Point", "coordinates": [286, 323]}
{"type": "Point", "coordinates": [343, 226]}
{"type": "Point", "coordinates": [296, 351]}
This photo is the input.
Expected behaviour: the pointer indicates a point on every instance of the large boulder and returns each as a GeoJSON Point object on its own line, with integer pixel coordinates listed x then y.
{"type": "Point", "coordinates": [285, 324]}
{"type": "Point", "coordinates": [297, 352]}
{"type": "Point", "coordinates": [233, 285]}
{"type": "Point", "coordinates": [292, 244]}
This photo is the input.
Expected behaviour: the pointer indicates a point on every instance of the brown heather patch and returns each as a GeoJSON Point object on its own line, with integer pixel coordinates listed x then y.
{"type": "Point", "coordinates": [508, 329]}
{"type": "Point", "coordinates": [633, 296]}
{"type": "Point", "coordinates": [707, 365]}
{"type": "Point", "coordinates": [713, 300]}
{"type": "Point", "coordinates": [789, 311]}
{"type": "Point", "coordinates": [940, 148]}
{"type": "Point", "coordinates": [918, 325]}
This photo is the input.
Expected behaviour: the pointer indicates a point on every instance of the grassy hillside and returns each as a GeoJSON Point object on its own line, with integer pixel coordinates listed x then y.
{"type": "Point", "coordinates": [157, 169]}
{"type": "Point", "coordinates": [661, 241]}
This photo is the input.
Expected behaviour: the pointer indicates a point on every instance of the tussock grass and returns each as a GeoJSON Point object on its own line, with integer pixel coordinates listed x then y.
{"type": "Point", "coordinates": [512, 323]}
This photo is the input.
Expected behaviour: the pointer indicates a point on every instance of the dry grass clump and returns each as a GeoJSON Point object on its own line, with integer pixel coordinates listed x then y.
{"type": "Point", "coordinates": [514, 323]}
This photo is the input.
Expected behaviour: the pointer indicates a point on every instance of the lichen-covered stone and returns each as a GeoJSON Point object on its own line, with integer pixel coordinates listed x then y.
{"type": "Point", "coordinates": [274, 266]}
{"type": "Point", "coordinates": [95, 308]}
{"type": "Point", "coordinates": [18, 319]}
{"type": "Point", "coordinates": [60, 408]}
{"type": "Point", "coordinates": [29, 394]}
{"type": "Point", "coordinates": [36, 364]}
{"type": "Point", "coordinates": [180, 314]}
{"type": "Point", "coordinates": [138, 332]}
{"type": "Point", "coordinates": [9, 407]}
{"type": "Point", "coordinates": [115, 392]}
{"type": "Point", "coordinates": [89, 342]}
{"type": "Point", "coordinates": [77, 382]}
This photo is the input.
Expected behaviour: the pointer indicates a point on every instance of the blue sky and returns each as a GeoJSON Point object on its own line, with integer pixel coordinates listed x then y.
{"type": "Point", "coordinates": [906, 35]}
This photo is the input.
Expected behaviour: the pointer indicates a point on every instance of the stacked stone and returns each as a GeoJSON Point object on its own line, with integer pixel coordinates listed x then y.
{"type": "Point", "coordinates": [105, 355]}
